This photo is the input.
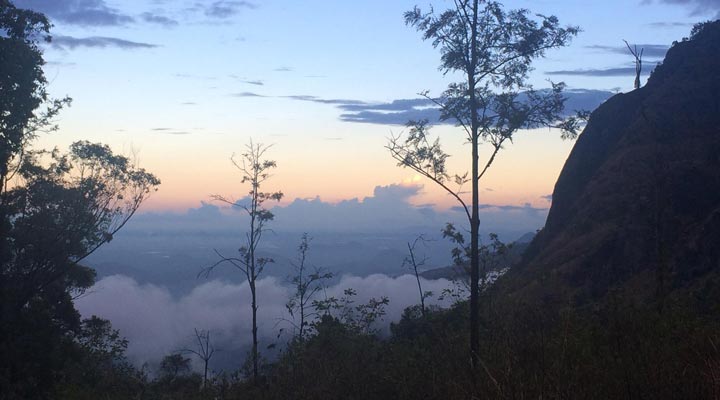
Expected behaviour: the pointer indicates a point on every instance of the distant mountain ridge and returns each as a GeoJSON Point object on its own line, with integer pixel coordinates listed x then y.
{"type": "Point", "coordinates": [637, 205]}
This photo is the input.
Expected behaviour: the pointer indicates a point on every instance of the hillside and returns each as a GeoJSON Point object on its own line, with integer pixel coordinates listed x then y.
{"type": "Point", "coordinates": [636, 208]}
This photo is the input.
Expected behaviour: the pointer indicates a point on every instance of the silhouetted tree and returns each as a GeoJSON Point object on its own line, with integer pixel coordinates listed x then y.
{"type": "Point", "coordinates": [492, 49]}
{"type": "Point", "coordinates": [307, 284]}
{"type": "Point", "coordinates": [55, 209]}
{"type": "Point", "coordinates": [415, 262]}
{"type": "Point", "coordinates": [256, 171]}
{"type": "Point", "coordinates": [638, 61]}
{"type": "Point", "coordinates": [204, 350]}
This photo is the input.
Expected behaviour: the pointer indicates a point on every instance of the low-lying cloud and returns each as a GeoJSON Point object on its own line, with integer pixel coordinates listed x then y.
{"type": "Point", "coordinates": [156, 323]}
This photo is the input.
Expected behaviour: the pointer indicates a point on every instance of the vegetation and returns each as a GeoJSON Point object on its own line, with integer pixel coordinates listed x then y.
{"type": "Point", "coordinates": [55, 209]}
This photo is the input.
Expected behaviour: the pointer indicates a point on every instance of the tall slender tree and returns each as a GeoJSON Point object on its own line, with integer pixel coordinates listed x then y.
{"type": "Point", "coordinates": [256, 171]}
{"type": "Point", "coordinates": [493, 50]}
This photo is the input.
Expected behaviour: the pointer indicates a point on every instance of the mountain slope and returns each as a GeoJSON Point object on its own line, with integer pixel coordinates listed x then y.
{"type": "Point", "coordinates": [637, 204]}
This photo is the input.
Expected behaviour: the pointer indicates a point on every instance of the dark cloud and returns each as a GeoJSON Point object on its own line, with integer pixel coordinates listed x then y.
{"type": "Point", "coordinates": [339, 102]}
{"type": "Point", "coordinates": [169, 131]}
{"type": "Point", "coordinates": [226, 9]}
{"type": "Point", "coordinates": [158, 19]}
{"type": "Point", "coordinates": [665, 25]}
{"type": "Point", "coordinates": [78, 12]}
{"type": "Point", "coordinates": [649, 50]}
{"type": "Point", "coordinates": [527, 207]}
{"type": "Point", "coordinates": [399, 112]}
{"type": "Point", "coordinates": [621, 71]}
{"type": "Point", "coordinates": [255, 82]}
{"type": "Point", "coordinates": [696, 7]}
{"type": "Point", "coordinates": [69, 42]}
{"type": "Point", "coordinates": [247, 94]}
{"type": "Point", "coordinates": [60, 63]}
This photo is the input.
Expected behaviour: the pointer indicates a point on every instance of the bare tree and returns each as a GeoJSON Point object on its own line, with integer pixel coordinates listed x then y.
{"type": "Point", "coordinates": [255, 170]}
{"type": "Point", "coordinates": [493, 50]}
{"type": "Point", "coordinates": [204, 351]}
{"type": "Point", "coordinates": [638, 61]}
{"type": "Point", "coordinates": [414, 262]}
{"type": "Point", "coordinates": [307, 284]}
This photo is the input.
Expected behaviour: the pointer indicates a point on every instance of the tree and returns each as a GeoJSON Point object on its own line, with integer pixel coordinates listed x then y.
{"type": "Point", "coordinates": [22, 81]}
{"type": "Point", "coordinates": [256, 171]}
{"type": "Point", "coordinates": [414, 263]}
{"type": "Point", "coordinates": [493, 50]}
{"type": "Point", "coordinates": [638, 62]}
{"type": "Point", "coordinates": [307, 284]}
{"type": "Point", "coordinates": [55, 209]}
{"type": "Point", "coordinates": [204, 351]}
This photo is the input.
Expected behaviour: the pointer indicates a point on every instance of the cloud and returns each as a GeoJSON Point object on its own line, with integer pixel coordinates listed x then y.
{"type": "Point", "coordinates": [170, 131]}
{"type": "Point", "coordinates": [649, 50]}
{"type": "Point", "coordinates": [339, 102]}
{"type": "Point", "coordinates": [547, 197]}
{"type": "Point", "coordinates": [696, 7]}
{"type": "Point", "coordinates": [399, 112]}
{"type": "Point", "coordinates": [156, 323]}
{"type": "Point", "coordinates": [621, 71]}
{"type": "Point", "coordinates": [665, 25]}
{"type": "Point", "coordinates": [387, 210]}
{"type": "Point", "coordinates": [254, 82]}
{"type": "Point", "coordinates": [527, 207]}
{"type": "Point", "coordinates": [71, 43]}
{"type": "Point", "coordinates": [283, 69]}
{"type": "Point", "coordinates": [226, 9]}
{"type": "Point", "coordinates": [158, 19]}
{"type": "Point", "coordinates": [247, 94]}
{"type": "Point", "coordinates": [78, 12]}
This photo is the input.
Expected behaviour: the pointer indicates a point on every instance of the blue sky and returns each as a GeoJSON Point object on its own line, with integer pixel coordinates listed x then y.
{"type": "Point", "coordinates": [184, 84]}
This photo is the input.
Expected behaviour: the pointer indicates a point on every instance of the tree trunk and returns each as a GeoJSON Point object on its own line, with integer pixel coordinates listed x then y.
{"type": "Point", "coordinates": [254, 334]}
{"type": "Point", "coordinates": [475, 217]}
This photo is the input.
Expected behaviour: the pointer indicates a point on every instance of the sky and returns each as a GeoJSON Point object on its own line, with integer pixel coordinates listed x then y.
{"type": "Point", "coordinates": [185, 84]}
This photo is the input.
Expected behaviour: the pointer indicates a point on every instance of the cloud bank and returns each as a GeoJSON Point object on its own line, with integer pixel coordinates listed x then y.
{"type": "Point", "coordinates": [157, 324]}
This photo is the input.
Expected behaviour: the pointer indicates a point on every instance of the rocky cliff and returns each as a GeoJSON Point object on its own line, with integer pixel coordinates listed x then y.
{"type": "Point", "coordinates": [637, 205]}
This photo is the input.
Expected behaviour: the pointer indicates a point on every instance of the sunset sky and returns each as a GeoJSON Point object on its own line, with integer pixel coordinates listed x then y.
{"type": "Point", "coordinates": [184, 84]}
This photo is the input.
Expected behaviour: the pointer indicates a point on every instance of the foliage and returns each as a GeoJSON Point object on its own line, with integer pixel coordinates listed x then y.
{"type": "Point", "coordinates": [22, 82]}
{"type": "Point", "coordinates": [357, 318]}
{"type": "Point", "coordinates": [307, 284]}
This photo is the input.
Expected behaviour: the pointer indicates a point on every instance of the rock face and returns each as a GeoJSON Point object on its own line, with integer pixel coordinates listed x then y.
{"type": "Point", "coordinates": [637, 205]}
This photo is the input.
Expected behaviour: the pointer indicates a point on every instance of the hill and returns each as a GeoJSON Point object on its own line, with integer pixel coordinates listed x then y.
{"type": "Point", "coordinates": [636, 208]}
